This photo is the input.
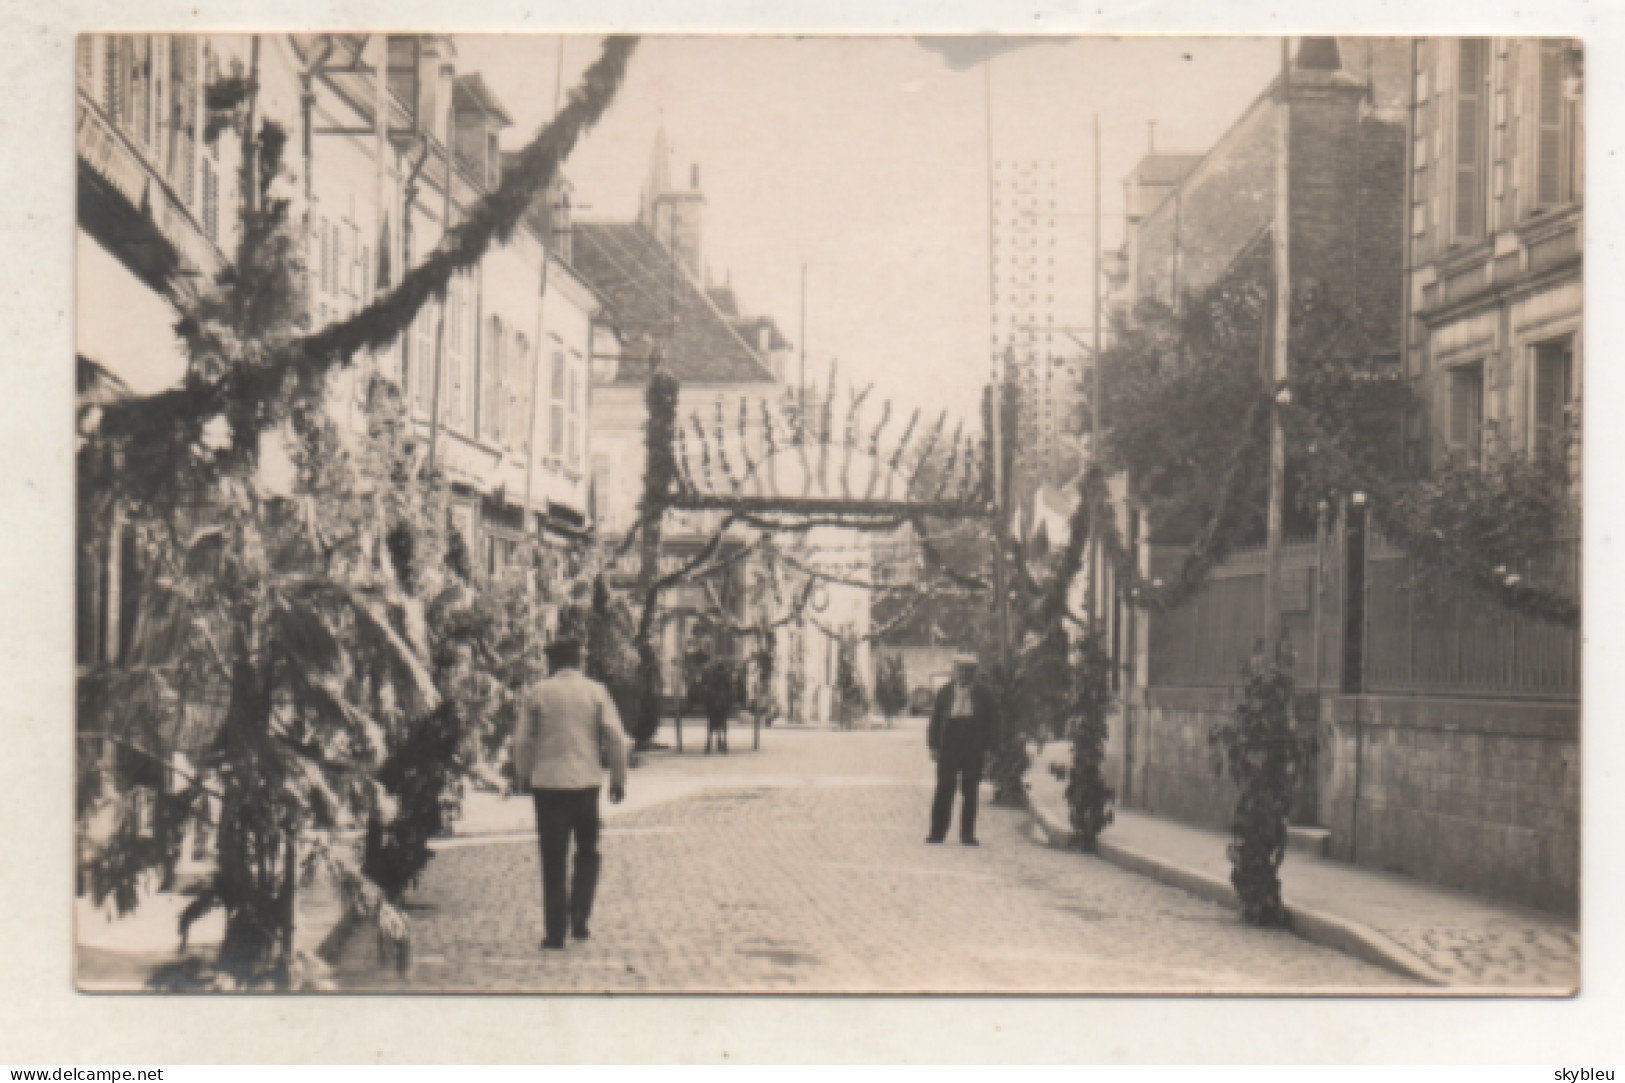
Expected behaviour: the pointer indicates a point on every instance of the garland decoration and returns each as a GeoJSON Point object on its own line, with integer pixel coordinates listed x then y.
{"type": "Point", "coordinates": [1264, 757]}
{"type": "Point", "coordinates": [162, 431]}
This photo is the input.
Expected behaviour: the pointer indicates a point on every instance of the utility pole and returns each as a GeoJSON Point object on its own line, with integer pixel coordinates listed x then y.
{"type": "Point", "coordinates": [1282, 334]}
{"type": "Point", "coordinates": [1001, 512]}
{"type": "Point", "coordinates": [801, 403]}
{"type": "Point", "coordinates": [1094, 388]}
{"type": "Point", "coordinates": [1001, 523]}
{"type": "Point", "coordinates": [445, 88]}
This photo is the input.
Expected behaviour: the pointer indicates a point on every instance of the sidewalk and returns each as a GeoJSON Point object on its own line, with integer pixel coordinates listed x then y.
{"type": "Point", "coordinates": [117, 953]}
{"type": "Point", "coordinates": [1460, 942]}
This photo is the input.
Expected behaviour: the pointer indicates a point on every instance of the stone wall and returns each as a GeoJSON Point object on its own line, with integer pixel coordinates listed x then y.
{"type": "Point", "coordinates": [1481, 795]}
{"type": "Point", "coordinates": [1173, 774]}
{"type": "Point", "coordinates": [1476, 794]}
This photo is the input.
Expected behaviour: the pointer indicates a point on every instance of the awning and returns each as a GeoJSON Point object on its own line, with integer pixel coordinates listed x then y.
{"type": "Point", "coordinates": [121, 324]}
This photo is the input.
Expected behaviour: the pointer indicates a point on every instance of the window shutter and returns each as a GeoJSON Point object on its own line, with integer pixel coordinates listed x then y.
{"type": "Point", "coordinates": [1549, 126]}
{"type": "Point", "coordinates": [211, 202]}
{"type": "Point", "coordinates": [1553, 373]}
{"type": "Point", "coordinates": [1546, 403]}
{"type": "Point", "coordinates": [183, 133]}
{"type": "Point", "coordinates": [491, 419]}
{"type": "Point", "coordinates": [1466, 411]}
{"type": "Point", "coordinates": [85, 52]}
{"type": "Point", "coordinates": [112, 82]}
{"type": "Point", "coordinates": [140, 70]}
{"type": "Point", "coordinates": [1470, 139]}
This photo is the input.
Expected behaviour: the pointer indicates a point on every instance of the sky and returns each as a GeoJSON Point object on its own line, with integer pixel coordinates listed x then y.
{"type": "Point", "coordinates": [866, 159]}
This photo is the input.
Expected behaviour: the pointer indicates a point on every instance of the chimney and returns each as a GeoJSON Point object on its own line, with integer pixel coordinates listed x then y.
{"type": "Point", "coordinates": [694, 177]}
{"type": "Point", "coordinates": [764, 339]}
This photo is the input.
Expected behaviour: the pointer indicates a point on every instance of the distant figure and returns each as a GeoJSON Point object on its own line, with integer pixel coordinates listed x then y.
{"type": "Point", "coordinates": [960, 733]}
{"type": "Point", "coordinates": [717, 691]}
{"type": "Point", "coordinates": [564, 723]}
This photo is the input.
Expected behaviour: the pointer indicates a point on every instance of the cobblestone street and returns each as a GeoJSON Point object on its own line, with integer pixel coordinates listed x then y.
{"type": "Point", "coordinates": [802, 868]}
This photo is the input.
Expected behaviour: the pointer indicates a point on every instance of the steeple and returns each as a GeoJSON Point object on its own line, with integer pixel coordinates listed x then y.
{"type": "Point", "coordinates": [674, 215]}
{"type": "Point", "coordinates": [659, 179]}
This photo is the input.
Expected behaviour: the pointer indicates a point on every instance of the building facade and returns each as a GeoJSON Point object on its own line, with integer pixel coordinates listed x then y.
{"type": "Point", "coordinates": [387, 144]}
{"type": "Point", "coordinates": [1495, 245]}
{"type": "Point", "coordinates": [651, 273]}
{"type": "Point", "coordinates": [1436, 194]}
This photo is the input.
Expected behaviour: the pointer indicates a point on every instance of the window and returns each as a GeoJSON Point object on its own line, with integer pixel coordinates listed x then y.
{"type": "Point", "coordinates": [1471, 142]}
{"type": "Point", "coordinates": [183, 94]}
{"type": "Point", "coordinates": [1554, 395]}
{"type": "Point", "coordinates": [458, 368]}
{"type": "Point", "coordinates": [402, 79]}
{"type": "Point", "coordinates": [1466, 429]}
{"type": "Point", "coordinates": [138, 85]}
{"type": "Point", "coordinates": [1555, 117]}
{"type": "Point", "coordinates": [85, 62]}
{"type": "Point", "coordinates": [423, 357]}
{"type": "Point", "coordinates": [555, 413]}
{"type": "Point", "coordinates": [575, 415]}
{"type": "Point", "coordinates": [211, 202]}
{"type": "Point", "coordinates": [491, 374]}
{"type": "Point", "coordinates": [519, 386]}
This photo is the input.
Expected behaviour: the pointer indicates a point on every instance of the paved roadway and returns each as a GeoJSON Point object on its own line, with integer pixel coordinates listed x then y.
{"type": "Point", "coordinates": [802, 868]}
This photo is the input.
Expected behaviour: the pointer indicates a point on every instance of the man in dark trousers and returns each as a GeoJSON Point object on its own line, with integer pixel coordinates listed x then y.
{"type": "Point", "coordinates": [960, 733]}
{"type": "Point", "coordinates": [564, 722]}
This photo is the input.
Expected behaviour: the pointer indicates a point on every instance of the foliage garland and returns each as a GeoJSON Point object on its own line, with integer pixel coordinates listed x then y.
{"type": "Point", "coordinates": [1264, 757]}
{"type": "Point", "coordinates": [163, 432]}
{"type": "Point", "coordinates": [1494, 523]}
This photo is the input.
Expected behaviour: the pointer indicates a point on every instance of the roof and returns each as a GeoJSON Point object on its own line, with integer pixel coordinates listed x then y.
{"type": "Point", "coordinates": [723, 297]}
{"type": "Point", "coordinates": [645, 288]}
{"type": "Point", "coordinates": [1165, 167]}
{"type": "Point", "coordinates": [470, 92]}
{"type": "Point", "coordinates": [751, 329]}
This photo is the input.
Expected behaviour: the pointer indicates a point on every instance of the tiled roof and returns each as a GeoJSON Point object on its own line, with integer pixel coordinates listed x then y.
{"type": "Point", "coordinates": [645, 288]}
{"type": "Point", "coordinates": [751, 329]}
{"type": "Point", "coordinates": [1165, 167]}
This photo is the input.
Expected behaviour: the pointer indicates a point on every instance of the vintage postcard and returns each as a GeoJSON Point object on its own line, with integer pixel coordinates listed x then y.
{"type": "Point", "coordinates": [963, 515]}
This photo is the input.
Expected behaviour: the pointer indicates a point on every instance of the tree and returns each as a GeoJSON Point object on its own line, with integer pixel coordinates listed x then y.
{"type": "Point", "coordinates": [851, 696]}
{"type": "Point", "coordinates": [299, 612]}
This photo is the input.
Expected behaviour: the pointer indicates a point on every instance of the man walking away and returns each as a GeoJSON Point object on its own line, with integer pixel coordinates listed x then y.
{"type": "Point", "coordinates": [960, 733]}
{"type": "Point", "coordinates": [567, 722]}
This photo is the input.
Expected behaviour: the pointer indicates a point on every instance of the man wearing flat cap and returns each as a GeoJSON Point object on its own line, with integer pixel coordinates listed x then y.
{"type": "Point", "coordinates": [567, 724]}
{"type": "Point", "coordinates": [960, 733]}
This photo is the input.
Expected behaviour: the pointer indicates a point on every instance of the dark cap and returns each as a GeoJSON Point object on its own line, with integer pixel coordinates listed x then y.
{"type": "Point", "coordinates": [564, 651]}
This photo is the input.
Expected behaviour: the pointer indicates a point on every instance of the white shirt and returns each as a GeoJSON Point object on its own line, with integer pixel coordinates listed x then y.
{"type": "Point", "coordinates": [556, 744]}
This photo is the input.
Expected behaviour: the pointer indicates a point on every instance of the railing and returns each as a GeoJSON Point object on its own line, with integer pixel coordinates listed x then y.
{"type": "Point", "coordinates": [1423, 633]}
{"type": "Point", "coordinates": [1429, 633]}
{"type": "Point", "coordinates": [1205, 642]}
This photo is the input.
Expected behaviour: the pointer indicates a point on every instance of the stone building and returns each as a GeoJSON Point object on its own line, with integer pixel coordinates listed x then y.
{"type": "Point", "coordinates": [1495, 245]}
{"type": "Point", "coordinates": [387, 142]}
{"type": "Point", "coordinates": [651, 272]}
{"type": "Point", "coordinates": [1435, 193]}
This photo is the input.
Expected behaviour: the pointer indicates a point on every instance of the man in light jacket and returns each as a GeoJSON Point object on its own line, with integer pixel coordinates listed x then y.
{"type": "Point", "coordinates": [566, 724]}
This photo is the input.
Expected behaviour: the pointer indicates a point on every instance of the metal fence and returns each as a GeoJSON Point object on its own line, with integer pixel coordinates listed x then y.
{"type": "Point", "coordinates": [1205, 642]}
{"type": "Point", "coordinates": [1432, 634]}
{"type": "Point", "coordinates": [1408, 631]}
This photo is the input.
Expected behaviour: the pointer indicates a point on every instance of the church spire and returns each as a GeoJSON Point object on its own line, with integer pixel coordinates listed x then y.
{"type": "Point", "coordinates": [659, 182]}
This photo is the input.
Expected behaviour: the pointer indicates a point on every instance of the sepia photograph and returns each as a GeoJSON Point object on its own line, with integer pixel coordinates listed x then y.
{"type": "Point", "coordinates": [827, 515]}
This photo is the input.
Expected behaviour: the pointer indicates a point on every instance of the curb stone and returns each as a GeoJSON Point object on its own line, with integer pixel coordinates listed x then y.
{"type": "Point", "coordinates": [1315, 926]}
